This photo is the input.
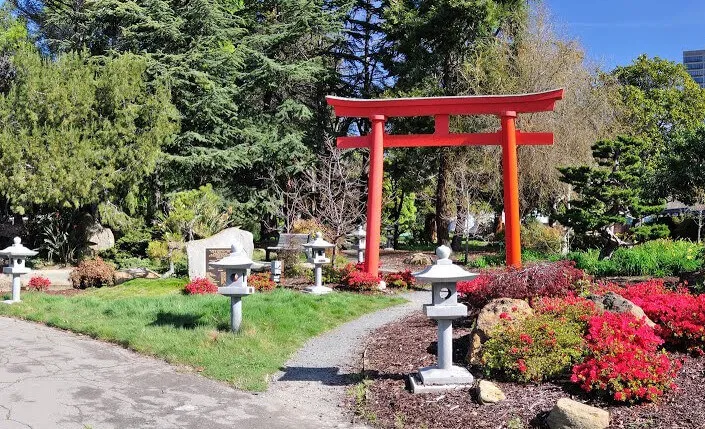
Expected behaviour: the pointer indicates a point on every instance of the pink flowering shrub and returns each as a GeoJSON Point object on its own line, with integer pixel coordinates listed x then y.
{"type": "Point", "coordinates": [624, 361]}
{"type": "Point", "coordinates": [538, 348]}
{"type": "Point", "coordinates": [679, 315]}
{"type": "Point", "coordinates": [39, 283]}
{"type": "Point", "coordinates": [200, 286]}
{"type": "Point", "coordinates": [549, 279]}
{"type": "Point", "coordinates": [400, 279]}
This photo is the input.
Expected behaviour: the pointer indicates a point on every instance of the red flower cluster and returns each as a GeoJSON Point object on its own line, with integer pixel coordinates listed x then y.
{"type": "Point", "coordinates": [679, 315]}
{"type": "Point", "coordinates": [261, 281]}
{"type": "Point", "coordinates": [550, 279]}
{"type": "Point", "coordinates": [400, 279]}
{"type": "Point", "coordinates": [38, 283]}
{"type": "Point", "coordinates": [354, 277]}
{"type": "Point", "coordinates": [200, 286]}
{"type": "Point", "coordinates": [624, 360]}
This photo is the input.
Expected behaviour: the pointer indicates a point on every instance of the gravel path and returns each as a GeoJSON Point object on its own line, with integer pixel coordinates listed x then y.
{"type": "Point", "coordinates": [315, 380]}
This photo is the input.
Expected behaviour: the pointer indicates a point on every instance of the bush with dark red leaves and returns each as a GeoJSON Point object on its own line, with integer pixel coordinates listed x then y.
{"type": "Point", "coordinates": [200, 286]}
{"type": "Point", "coordinates": [540, 280]}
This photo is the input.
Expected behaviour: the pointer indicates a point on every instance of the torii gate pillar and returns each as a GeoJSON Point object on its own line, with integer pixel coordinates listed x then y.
{"type": "Point", "coordinates": [505, 107]}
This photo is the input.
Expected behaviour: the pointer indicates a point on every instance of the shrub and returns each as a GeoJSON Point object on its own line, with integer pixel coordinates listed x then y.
{"type": "Point", "coordinates": [261, 281]}
{"type": "Point", "coordinates": [38, 283]}
{"type": "Point", "coordinates": [400, 279]}
{"type": "Point", "coordinates": [540, 347]}
{"type": "Point", "coordinates": [541, 238]}
{"type": "Point", "coordinates": [569, 309]}
{"type": "Point", "coordinates": [624, 361]}
{"type": "Point", "coordinates": [680, 316]}
{"type": "Point", "coordinates": [200, 286]}
{"type": "Point", "coordinates": [547, 279]}
{"type": "Point", "coordinates": [92, 273]}
{"type": "Point", "coordinates": [654, 258]}
{"type": "Point", "coordinates": [353, 276]}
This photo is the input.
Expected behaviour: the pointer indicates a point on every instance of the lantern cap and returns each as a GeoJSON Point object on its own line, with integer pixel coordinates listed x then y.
{"type": "Point", "coordinates": [319, 243]}
{"type": "Point", "coordinates": [359, 232]}
{"type": "Point", "coordinates": [17, 249]}
{"type": "Point", "coordinates": [444, 271]}
{"type": "Point", "coordinates": [236, 259]}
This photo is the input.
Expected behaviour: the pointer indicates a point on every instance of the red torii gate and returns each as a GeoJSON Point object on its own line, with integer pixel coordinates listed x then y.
{"type": "Point", "coordinates": [505, 106]}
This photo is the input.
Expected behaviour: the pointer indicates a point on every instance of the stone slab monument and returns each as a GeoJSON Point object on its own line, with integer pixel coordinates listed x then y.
{"type": "Point", "coordinates": [211, 249]}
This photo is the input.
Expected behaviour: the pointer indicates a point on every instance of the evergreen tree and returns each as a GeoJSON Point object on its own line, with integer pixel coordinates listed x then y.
{"type": "Point", "coordinates": [613, 192]}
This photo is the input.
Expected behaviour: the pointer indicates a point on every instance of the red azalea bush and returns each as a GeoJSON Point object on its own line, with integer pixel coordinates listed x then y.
{"type": "Point", "coordinates": [200, 286]}
{"type": "Point", "coordinates": [354, 277]}
{"type": "Point", "coordinates": [549, 279]}
{"type": "Point", "coordinates": [38, 283]}
{"type": "Point", "coordinates": [567, 309]}
{"type": "Point", "coordinates": [624, 361]}
{"type": "Point", "coordinates": [679, 315]}
{"type": "Point", "coordinates": [400, 279]}
{"type": "Point", "coordinates": [261, 281]}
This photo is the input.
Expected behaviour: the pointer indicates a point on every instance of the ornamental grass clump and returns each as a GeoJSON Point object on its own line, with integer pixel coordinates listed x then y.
{"type": "Point", "coordinates": [539, 280]}
{"type": "Point", "coordinates": [538, 348]}
{"type": "Point", "coordinates": [624, 362]}
{"type": "Point", "coordinates": [200, 286]}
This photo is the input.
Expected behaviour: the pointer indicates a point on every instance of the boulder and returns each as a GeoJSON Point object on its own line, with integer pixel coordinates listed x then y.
{"type": "Point", "coordinates": [196, 249]}
{"type": "Point", "coordinates": [488, 319]}
{"type": "Point", "coordinates": [569, 414]}
{"type": "Point", "coordinates": [489, 393]}
{"type": "Point", "coordinates": [100, 238]}
{"type": "Point", "coordinates": [418, 259]}
{"type": "Point", "coordinates": [121, 276]}
{"type": "Point", "coordinates": [618, 304]}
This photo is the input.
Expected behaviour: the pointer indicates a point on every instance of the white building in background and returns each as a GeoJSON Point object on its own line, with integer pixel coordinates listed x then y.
{"type": "Point", "coordinates": [695, 64]}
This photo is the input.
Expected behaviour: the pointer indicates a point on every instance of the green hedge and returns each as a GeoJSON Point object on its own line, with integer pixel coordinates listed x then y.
{"type": "Point", "coordinates": [654, 258]}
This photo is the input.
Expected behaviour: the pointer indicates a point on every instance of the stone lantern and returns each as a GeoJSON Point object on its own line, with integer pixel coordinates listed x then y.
{"type": "Point", "coordinates": [317, 256]}
{"type": "Point", "coordinates": [237, 267]}
{"type": "Point", "coordinates": [360, 235]}
{"type": "Point", "coordinates": [17, 256]}
{"type": "Point", "coordinates": [444, 307]}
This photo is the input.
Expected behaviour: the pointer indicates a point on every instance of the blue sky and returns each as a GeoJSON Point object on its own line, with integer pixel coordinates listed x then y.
{"type": "Point", "coordinates": [614, 32]}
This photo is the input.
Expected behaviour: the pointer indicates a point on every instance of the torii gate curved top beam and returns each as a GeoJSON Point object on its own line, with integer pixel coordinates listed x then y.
{"type": "Point", "coordinates": [441, 108]}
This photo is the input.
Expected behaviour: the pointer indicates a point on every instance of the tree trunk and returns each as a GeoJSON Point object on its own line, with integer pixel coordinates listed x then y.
{"type": "Point", "coordinates": [445, 203]}
{"type": "Point", "coordinates": [612, 242]}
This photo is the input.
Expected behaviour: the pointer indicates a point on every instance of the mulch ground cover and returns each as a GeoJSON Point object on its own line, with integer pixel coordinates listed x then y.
{"type": "Point", "coordinates": [400, 348]}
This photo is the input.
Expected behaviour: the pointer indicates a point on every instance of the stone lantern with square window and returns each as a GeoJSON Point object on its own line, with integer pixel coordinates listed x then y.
{"type": "Point", "coordinates": [237, 267]}
{"type": "Point", "coordinates": [444, 307]}
{"type": "Point", "coordinates": [17, 256]}
{"type": "Point", "coordinates": [317, 256]}
{"type": "Point", "coordinates": [360, 236]}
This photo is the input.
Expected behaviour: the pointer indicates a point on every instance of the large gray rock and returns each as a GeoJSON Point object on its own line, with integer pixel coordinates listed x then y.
{"type": "Point", "coordinates": [569, 414]}
{"type": "Point", "coordinates": [196, 249]}
{"type": "Point", "coordinates": [615, 303]}
{"type": "Point", "coordinates": [489, 393]}
{"type": "Point", "coordinates": [100, 238]}
{"type": "Point", "coordinates": [488, 319]}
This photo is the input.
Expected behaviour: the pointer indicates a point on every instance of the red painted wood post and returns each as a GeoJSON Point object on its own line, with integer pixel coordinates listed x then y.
{"type": "Point", "coordinates": [510, 169]}
{"type": "Point", "coordinates": [374, 195]}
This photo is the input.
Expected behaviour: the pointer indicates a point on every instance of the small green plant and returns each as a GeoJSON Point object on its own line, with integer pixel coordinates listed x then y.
{"type": "Point", "coordinates": [538, 348]}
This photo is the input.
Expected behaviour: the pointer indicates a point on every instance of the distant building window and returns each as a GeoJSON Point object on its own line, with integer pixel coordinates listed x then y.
{"type": "Point", "coordinates": [699, 79]}
{"type": "Point", "coordinates": [697, 59]}
{"type": "Point", "coordinates": [694, 66]}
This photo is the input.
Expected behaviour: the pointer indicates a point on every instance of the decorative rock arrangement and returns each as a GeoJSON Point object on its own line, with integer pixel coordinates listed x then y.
{"type": "Point", "coordinates": [618, 304]}
{"type": "Point", "coordinates": [569, 414]}
{"type": "Point", "coordinates": [17, 255]}
{"type": "Point", "coordinates": [444, 307]}
{"type": "Point", "coordinates": [489, 393]}
{"type": "Point", "coordinates": [418, 259]}
{"type": "Point", "coordinates": [489, 318]}
{"type": "Point", "coordinates": [196, 249]}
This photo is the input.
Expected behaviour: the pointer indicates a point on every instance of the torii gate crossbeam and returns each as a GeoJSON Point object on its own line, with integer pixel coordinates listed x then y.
{"type": "Point", "coordinates": [506, 107]}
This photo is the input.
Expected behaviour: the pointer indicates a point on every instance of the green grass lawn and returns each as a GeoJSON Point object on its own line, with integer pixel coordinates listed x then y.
{"type": "Point", "coordinates": [154, 318]}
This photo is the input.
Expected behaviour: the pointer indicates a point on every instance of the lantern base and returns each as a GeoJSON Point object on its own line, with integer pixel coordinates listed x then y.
{"type": "Point", "coordinates": [417, 385]}
{"type": "Point", "coordinates": [432, 375]}
{"type": "Point", "coordinates": [9, 301]}
{"type": "Point", "coordinates": [318, 290]}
